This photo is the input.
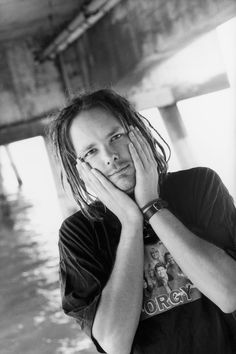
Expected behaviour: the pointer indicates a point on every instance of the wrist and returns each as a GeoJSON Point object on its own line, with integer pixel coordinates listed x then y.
{"type": "Point", "coordinates": [131, 225]}
{"type": "Point", "coordinates": [152, 208]}
{"type": "Point", "coordinates": [134, 218]}
{"type": "Point", "coordinates": [148, 204]}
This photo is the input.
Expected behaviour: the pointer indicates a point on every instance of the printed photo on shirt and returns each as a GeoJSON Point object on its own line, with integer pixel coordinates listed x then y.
{"type": "Point", "coordinates": [165, 285]}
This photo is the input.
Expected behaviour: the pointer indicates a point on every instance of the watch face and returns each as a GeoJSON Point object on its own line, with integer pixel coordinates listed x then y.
{"type": "Point", "coordinates": [156, 206]}
{"type": "Point", "coordinates": [159, 204]}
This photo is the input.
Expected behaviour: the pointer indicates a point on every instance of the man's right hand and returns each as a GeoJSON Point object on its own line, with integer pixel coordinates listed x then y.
{"type": "Point", "coordinates": [113, 198]}
{"type": "Point", "coordinates": [111, 328]}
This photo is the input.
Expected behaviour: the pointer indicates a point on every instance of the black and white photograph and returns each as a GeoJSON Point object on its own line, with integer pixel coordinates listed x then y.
{"type": "Point", "coordinates": [118, 176]}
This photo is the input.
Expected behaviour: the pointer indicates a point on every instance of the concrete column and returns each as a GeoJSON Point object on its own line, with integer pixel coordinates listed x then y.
{"type": "Point", "coordinates": [13, 165]}
{"type": "Point", "coordinates": [66, 201]}
{"type": "Point", "coordinates": [2, 195]}
{"type": "Point", "coordinates": [1, 177]}
{"type": "Point", "coordinates": [178, 135]}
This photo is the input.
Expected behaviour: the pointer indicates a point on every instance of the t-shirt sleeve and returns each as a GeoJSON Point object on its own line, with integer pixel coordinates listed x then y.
{"type": "Point", "coordinates": [216, 211]}
{"type": "Point", "coordinates": [81, 274]}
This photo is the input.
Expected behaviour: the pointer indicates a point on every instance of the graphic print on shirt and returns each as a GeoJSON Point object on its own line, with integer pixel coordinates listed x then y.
{"type": "Point", "coordinates": [165, 285]}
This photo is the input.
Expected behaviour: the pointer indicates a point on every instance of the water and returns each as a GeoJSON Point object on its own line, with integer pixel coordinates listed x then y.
{"type": "Point", "coordinates": [30, 307]}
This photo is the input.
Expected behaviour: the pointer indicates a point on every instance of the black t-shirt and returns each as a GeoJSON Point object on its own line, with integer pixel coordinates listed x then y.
{"type": "Point", "coordinates": [176, 317]}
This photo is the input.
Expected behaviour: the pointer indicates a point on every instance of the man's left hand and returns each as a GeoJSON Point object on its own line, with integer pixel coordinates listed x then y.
{"type": "Point", "coordinates": [146, 188]}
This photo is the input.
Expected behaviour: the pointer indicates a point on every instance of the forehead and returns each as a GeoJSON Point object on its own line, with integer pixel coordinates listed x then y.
{"type": "Point", "coordinates": [160, 268]}
{"type": "Point", "coordinates": [155, 248]}
{"type": "Point", "coordinates": [92, 126]}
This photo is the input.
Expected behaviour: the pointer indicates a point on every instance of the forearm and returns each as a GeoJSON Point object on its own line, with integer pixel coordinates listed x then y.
{"type": "Point", "coordinates": [119, 309]}
{"type": "Point", "coordinates": [210, 269]}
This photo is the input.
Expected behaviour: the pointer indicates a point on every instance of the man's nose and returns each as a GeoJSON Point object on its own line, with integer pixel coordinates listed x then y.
{"type": "Point", "coordinates": [110, 155]}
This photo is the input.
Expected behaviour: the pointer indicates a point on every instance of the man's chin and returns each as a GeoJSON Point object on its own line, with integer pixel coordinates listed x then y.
{"type": "Point", "coordinates": [125, 184]}
{"type": "Point", "coordinates": [127, 188]}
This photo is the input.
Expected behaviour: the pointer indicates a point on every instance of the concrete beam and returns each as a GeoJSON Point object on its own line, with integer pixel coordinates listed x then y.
{"type": "Point", "coordinates": [27, 89]}
{"type": "Point", "coordinates": [134, 48]}
{"type": "Point", "coordinates": [137, 37]}
{"type": "Point", "coordinates": [23, 130]}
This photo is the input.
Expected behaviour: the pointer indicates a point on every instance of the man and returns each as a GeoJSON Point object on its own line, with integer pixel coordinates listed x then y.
{"type": "Point", "coordinates": [162, 277]}
{"type": "Point", "coordinates": [118, 175]}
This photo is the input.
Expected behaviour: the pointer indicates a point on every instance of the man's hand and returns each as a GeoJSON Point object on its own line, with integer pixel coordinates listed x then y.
{"type": "Point", "coordinates": [146, 188]}
{"type": "Point", "coordinates": [113, 198]}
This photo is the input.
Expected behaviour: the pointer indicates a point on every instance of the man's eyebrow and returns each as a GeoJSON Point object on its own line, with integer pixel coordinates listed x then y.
{"type": "Point", "coordinates": [113, 131]}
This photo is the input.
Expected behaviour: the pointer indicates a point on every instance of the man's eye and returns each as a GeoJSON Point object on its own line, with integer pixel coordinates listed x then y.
{"type": "Point", "coordinates": [117, 136]}
{"type": "Point", "coordinates": [89, 153]}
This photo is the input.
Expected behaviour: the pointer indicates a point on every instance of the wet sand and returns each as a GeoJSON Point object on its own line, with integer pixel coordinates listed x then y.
{"type": "Point", "coordinates": [32, 321]}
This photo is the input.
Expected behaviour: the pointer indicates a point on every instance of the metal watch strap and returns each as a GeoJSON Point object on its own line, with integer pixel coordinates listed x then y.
{"type": "Point", "coordinates": [154, 208]}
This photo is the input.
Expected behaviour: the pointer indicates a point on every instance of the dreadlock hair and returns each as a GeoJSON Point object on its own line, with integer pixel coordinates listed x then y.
{"type": "Point", "coordinates": [59, 134]}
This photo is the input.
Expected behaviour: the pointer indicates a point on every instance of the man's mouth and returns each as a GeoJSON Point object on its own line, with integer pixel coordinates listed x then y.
{"type": "Point", "coordinates": [120, 171]}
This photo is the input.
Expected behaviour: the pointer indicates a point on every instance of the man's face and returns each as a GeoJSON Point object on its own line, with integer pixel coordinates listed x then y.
{"type": "Point", "coordinates": [161, 273]}
{"type": "Point", "coordinates": [170, 259]}
{"type": "Point", "coordinates": [99, 138]}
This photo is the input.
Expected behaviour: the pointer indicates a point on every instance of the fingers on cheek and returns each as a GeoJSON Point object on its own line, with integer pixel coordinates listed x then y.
{"type": "Point", "coordinates": [145, 151]}
{"type": "Point", "coordinates": [143, 146]}
{"type": "Point", "coordinates": [84, 179]}
{"type": "Point", "coordinates": [131, 148]}
{"type": "Point", "coordinates": [80, 172]}
{"type": "Point", "coordinates": [142, 140]}
{"type": "Point", "coordinates": [139, 143]}
{"type": "Point", "coordinates": [84, 173]}
{"type": "Point", "coordinates": [133, 152]}
{"type": "Point", "coordinates": [89, 182]}
{"type": "Point", "coordinates": [134, 139]}
{"type": "Point", "coordinates": [139, 137]}
{"type": "Point", "coordinates": [79, 169]}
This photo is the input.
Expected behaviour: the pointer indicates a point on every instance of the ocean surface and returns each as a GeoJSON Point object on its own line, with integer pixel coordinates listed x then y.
{"type": "Point", "coordinates": [32, 321]}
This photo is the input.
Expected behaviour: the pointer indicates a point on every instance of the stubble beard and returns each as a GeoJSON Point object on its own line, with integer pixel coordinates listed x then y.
{"type": "Point", "coordinates": [126, 185]}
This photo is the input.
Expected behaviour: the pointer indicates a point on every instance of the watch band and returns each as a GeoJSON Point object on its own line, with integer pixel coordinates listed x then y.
{"type": "Point", "coordinates": [154, 208]}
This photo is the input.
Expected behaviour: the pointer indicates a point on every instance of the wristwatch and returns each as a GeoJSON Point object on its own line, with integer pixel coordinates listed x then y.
{"type": "Point", "coordinates": [154, 208]}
